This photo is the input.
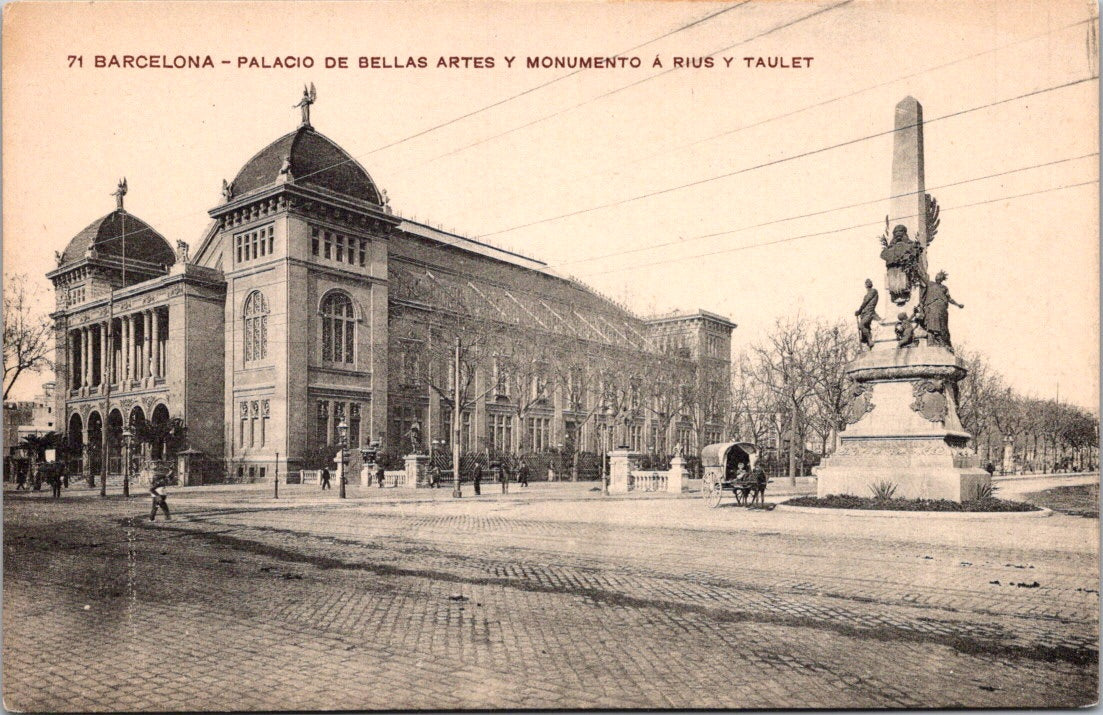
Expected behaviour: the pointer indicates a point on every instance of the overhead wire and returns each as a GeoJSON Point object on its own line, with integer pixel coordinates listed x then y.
{"type": "Point", "coordinates": [682, 241]}
{"type": "Point", "coordinates": [790, 239]}
{"type": "Point", "coordinates": [782, 160]}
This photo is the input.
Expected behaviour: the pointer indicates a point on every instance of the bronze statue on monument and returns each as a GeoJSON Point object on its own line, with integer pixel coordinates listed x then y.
{"type": "Point", "coordinates": [866, 314]}
{"type": "Point", "coordinates": [933, 309]}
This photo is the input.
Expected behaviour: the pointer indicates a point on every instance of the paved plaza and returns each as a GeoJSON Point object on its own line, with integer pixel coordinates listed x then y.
{"type": "Point", "coordinates": [550, 597]}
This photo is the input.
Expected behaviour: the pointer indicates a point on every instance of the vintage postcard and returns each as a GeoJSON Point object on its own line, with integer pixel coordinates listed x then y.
{"type": "Point", "coordinates": [375, 356]}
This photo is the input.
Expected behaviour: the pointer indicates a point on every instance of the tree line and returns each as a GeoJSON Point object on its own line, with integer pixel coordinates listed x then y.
{"type": "Point", "coordinates": [790, 392]}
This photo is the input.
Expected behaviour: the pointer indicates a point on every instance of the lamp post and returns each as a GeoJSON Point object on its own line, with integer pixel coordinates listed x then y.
{"type": "Point", "coordinates": [606, 435]}
{"type": "Point", "coordinates": [343, 437]}
{"type": "Point", "coordinates": [127, 436]}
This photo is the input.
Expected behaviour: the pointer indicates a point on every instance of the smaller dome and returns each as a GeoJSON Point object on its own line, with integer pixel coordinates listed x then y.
{"type": "Point", "coordinates": [315, 160]}
{"type": "Point", "coordinates": [106, 235]}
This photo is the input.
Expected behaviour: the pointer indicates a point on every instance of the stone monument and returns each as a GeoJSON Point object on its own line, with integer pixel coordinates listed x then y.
{"type": "Point", "coordinates": [903, 427]}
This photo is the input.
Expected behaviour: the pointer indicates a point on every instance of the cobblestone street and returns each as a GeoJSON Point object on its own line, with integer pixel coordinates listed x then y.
{"type": "Point", "coordinates": [550, 598]}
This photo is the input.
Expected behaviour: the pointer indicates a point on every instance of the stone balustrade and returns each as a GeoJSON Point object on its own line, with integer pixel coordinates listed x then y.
{"type": "Point", "coordinates": [646, 481]}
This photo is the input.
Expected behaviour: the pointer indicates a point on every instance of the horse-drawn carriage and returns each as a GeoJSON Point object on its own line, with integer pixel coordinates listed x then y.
{"type": "Point", "coordinates": [729, 466]}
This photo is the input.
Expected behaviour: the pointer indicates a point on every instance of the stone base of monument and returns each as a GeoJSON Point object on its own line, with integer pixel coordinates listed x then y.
{"type": "Point", "coordinates": [917, 468]}
{"type": "Point", "coordinates": [904, 429]}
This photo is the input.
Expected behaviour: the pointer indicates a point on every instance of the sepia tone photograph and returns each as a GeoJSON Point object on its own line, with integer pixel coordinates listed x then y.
{"type": "Point", "coordinates": [550, 355]}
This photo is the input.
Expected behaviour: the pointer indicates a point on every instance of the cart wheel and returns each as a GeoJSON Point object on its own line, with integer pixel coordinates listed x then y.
{"type": "Point", "coordinates": [714, 495]}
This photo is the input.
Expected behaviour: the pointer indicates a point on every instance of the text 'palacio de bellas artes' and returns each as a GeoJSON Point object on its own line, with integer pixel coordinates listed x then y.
{"type": "Point", "coordinates": [309, 304]}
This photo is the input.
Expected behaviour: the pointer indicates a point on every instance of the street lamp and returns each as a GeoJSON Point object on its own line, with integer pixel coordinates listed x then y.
{"type": "Point", "coordinates": [343, 438]}
{"type": "Point", "coordinates": [606, 438]}
{"type": "Point", "coordinates": [127, 436]}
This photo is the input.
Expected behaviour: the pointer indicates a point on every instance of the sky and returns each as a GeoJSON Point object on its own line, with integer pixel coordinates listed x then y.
{"type": "Point", "coordinates": [755, 193]}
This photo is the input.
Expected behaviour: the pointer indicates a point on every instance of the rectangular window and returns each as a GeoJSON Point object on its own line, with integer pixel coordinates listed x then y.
{"type": "Point", "coordinates": [252, 474]}
{"type": "Point", "coordinates": [271, 240]}
{"type": "Point", "coordinates": [237, 244]}
{"type": "Point", "coordinates": [538, 433]}
{"type": "Point", "coordinates": [263, 471]}
{"type": "Point", "coordinates": [314, 241]}
{"type": "Point", "coordinates": [264, 415]}
{"type": "Point", "coordinates": [501, 432]}
{"type": "Point", "coordinates": [263, 244]}
{"type": "Point", "coordinates": [240, 473]}
{"type": "Point", "coordinates": [340, 248]}
{"type": "Point", "coordinates": [328, 243]}
{"type": "Point", "coordinates": [363, 251]}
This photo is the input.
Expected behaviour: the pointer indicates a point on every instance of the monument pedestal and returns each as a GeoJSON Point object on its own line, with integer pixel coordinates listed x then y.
{"type": "Point", "coordinates": [905, 430]}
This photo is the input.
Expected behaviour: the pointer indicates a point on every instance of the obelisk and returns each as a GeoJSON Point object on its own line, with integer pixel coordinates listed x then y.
{"type": "Point", "coordinates": [908, 183]}
{"type": "Point", "coordinates": [903, 427]}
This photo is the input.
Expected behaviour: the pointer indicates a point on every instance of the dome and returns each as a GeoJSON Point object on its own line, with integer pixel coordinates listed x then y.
{"type": "Point", "coordinates": [315, 161]}
{"type": "Point", "coordinates": [143, 243]}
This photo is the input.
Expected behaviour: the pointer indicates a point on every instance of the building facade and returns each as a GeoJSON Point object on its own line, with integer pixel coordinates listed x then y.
{"type": "Point", "coordinates": [308, 303]}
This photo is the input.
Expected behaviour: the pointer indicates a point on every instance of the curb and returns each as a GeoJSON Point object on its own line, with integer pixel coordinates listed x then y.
{"type": "Point", "coordinates": [1042, 512]}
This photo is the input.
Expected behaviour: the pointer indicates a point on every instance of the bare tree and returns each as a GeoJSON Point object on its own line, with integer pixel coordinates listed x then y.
{"type": "Point", "coordinates": [753, 405]}
{"type": "Point", "coordinates": [783, 364]}
{"type": "Point", "coordinates": [27, 332]}
{"type": "Point", "coordinates": [978, 396]}
{"type": "Point", "coordinates": [832, 349]}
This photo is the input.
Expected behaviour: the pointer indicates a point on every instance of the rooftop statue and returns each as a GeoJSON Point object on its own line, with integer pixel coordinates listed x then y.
{"type": "Point", "coordinates": [119, 193]}
{"type": "Point", "coordinates": [309, 97]}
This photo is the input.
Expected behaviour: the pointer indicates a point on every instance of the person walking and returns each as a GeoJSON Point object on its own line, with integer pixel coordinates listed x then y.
{"type": "Point", "coordinates": [379, 472]}
{"type": "Point", "coordinates": [20, 480]}
{"type": "Point", "coordinates": [325, 478]}
{"type": "Point", "coordinates": [160, 499]}
{"type": "Point", "coordinates": [53, 478]}
{"type": "Point", "coordinates": [503, 477]}
{"type": "Point", "coordinates": [523, 473]}
{"type": "Point", "coordinates": [477, 477]}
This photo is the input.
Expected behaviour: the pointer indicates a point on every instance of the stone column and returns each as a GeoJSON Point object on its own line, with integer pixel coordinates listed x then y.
{"type": "Point", "coordinates": [128, 348]}
{"type": "Point", "coordinates": [85, 363]}
{"type": "Point", "coordinates": [147, 355]}
{"type": "Point", "coordinates": [102, 372]}
{"type": "Point", "coordinates": [156, 370]}
{"type": "Point", "coordinates": [132, 345]}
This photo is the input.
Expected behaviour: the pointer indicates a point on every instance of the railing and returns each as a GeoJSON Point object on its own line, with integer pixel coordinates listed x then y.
{"type": "Point", "coordinates": [648, 481]}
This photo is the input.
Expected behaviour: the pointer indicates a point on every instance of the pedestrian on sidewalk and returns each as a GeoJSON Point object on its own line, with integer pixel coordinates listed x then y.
{"type": "Point", "coordinates": [20, 480]}
{"type": "Point", "coordinates": [503, 477]}
{"type": "Point", "coordinates": [523, 473]}
{"type": "Point", "coordinates": [478, 478]}
{"type": "Point", "coordinates": [160, 499]}
{"type": "Point", "coordinates": [325, 478]}
{"type": "Point", "coordinates": [53, 478]}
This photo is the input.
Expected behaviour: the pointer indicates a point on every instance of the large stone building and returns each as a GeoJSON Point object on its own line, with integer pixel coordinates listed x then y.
{"type": "Point", "coordinates": [308, 302]}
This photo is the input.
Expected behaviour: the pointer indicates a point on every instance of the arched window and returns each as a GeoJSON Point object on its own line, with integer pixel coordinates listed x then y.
{"type": "Point", "coordinates": [256, 327]}
{"type": "Point", "coordinates": [338, 329]}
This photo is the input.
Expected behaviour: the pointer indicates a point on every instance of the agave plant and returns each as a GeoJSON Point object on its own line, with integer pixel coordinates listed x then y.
{"type": "Point", "coordinates": [883, 490]}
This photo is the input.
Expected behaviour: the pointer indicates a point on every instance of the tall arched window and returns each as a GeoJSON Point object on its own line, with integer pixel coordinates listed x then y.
{"type": "Point", "coordinates": [338, 329]}
{"type": "Point", "coordinates": [256, 327]}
